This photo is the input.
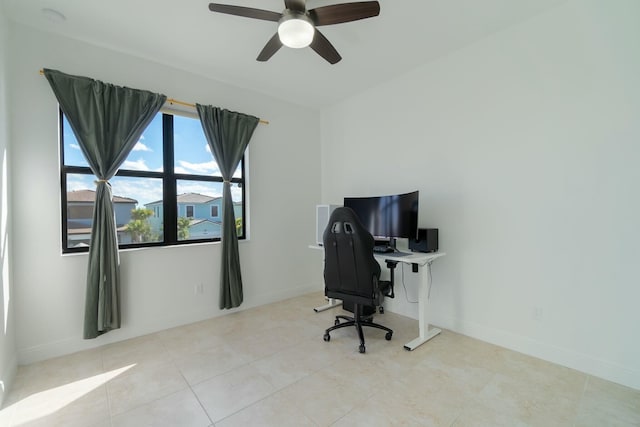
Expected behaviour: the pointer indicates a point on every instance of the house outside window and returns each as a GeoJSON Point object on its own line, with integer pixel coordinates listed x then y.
{"type": "Point", "coordinates": [165, 192]}
{"type": "Point", "coordinates": [80, 216]}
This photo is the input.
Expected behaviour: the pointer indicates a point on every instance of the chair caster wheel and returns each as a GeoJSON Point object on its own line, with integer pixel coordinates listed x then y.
{"type": "Point", "coordinates": [327, 337]}
{"type": "Point", "coordinates": [381, 310]}
{"type": "Point", "coordinates": [336, 322]}
{"type": "Point", "coordinates": [362, 348]}
{"type": "Point", "coordinates": [388, 336]}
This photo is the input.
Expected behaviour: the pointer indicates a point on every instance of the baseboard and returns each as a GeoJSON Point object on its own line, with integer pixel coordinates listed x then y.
{"type": "Point", "coordinates": [271, 297]}
{"type": "Point", "coordinates": [7, 377]}
{"type": "Point", "coordinates": [562, 356]}
{"type": "Point", "coordinates": [74, 344]}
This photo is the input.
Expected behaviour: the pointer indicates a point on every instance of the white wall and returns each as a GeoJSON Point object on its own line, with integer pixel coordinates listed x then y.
{"type": "Point", "coordinates": [158, 284]}
{"type": "Point", "coordinates": [8, 359]}
{"type": "Point", "coordinates": [525, 149]}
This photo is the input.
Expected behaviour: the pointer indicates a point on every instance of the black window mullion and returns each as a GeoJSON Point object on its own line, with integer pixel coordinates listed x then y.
{"type": "Point", "coordinates": [63, 183]}
{"type": "Point", "coordinates": [189, 177]}
{"type": "Point", "coordinates": [139, 174]}
{"type": "Point", "coordinates": [65, 208]}
{"type": "Point", "coordinates": [78, 169]}
{"type": "Point", "coordinates": [244, 201]}
{"type": "Point", "coordinates": [170, 217]}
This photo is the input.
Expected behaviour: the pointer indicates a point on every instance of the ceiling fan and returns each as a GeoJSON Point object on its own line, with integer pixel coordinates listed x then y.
{"type": "Point", "coordinates": [297, 25]}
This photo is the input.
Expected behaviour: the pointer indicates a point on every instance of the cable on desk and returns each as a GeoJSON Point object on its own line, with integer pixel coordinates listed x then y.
{"type": "Point", "coordinates": [406, 295]}
{"type": "Point", "coordinates": [428, 263]}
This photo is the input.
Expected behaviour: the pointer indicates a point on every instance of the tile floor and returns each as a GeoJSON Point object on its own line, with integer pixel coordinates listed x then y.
{"type": "Point", "coordinates": [269, 366]}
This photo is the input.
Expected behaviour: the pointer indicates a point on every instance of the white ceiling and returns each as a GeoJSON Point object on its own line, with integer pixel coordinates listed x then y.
{"type": "Point", "coordinates": [185, 34]}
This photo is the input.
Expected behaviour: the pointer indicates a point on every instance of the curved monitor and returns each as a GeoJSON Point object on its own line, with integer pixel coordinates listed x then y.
{"type": "Point", "coordinates": [394, 216]}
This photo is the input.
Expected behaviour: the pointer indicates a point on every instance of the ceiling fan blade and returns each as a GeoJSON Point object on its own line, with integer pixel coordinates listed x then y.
{"type": "Point", "coordinates": [345, 12]}
{"type": "Point", "coordinates": [324, 48]}
{"type": "Point", "coordinates": [247, 12]}
{"type": "Point", "coordinates": [272, 46]}
{"type": "Point", "coordinates": [297, 5]}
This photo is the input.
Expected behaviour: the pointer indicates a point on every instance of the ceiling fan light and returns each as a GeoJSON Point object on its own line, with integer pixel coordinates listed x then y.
{"type": "Point", "coordinates": [296, 32]}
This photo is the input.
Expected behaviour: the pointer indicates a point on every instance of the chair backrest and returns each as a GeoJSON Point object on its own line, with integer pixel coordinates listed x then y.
{"type": "Point", "coordinates": [350, 270]}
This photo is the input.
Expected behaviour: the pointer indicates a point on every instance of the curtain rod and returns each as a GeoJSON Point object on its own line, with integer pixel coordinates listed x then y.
{"type": "Point", "coordinates": [186, 104]}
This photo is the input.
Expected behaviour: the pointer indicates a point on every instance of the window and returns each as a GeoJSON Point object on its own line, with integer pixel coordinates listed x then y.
{"type": "Point", "coordinates": [166, 192]}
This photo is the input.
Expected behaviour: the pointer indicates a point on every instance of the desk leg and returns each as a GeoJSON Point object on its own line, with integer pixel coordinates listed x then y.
{"type": "Point", "coordinates": [331, 303]}
{"type": "Point", "coordinates": [423, 305]}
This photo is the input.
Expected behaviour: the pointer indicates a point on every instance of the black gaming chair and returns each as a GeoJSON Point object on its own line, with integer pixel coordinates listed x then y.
{"type": "Point", "coordinates": [351, 273]}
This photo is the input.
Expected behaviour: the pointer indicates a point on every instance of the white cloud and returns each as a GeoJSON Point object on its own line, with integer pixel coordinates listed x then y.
{"type": "Point", "coordinates": [236, 193]}
{"type": "Point", "coordinates": [141, 147]}
{"type": "Point", "coordinates": [205, 188]}
{"type": "Point", "coordinates": [142, 190]}
{"type": "Point", "coordinates": [207, 148]}
{"type": "Point", "coordinates": [136, 165]}
{"type": "Point", "coordinates": [74, 146]}
{"type": "Point", "coordinates": [80, 182]}
{"type": "Point", "coordinates": [206, 168]}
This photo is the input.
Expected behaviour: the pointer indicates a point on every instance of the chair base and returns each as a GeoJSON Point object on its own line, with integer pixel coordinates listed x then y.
{"type": "Point", "coordinates": [358, 321]}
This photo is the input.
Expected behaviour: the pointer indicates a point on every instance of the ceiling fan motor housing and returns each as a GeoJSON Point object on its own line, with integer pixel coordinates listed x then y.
{"type": "Point", "coordinates": [295, 29]}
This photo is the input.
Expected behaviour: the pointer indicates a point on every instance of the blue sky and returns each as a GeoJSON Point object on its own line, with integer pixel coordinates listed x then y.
{"type": "Point", "coordinates": [192, 156]}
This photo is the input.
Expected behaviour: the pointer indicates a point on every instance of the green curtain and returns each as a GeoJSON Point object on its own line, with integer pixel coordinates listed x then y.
{"type": "Point", "coordinates": [228, 134]}
{"type": "Point", "coordinates": [107, 120]}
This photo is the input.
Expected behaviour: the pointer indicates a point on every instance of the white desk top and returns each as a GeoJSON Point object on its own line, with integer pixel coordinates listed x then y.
{"type": "Point", "coordinates": [420, 258]}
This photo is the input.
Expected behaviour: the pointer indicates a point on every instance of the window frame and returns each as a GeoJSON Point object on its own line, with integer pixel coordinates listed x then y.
{"type": "Point", "coordinates": [169, 180]}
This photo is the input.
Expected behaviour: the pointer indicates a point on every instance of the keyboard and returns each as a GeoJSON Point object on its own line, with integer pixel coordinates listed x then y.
{"type": "Point", "coordinates": [388, 250]}
{"type": "Point", "coordinates": [400, 254]}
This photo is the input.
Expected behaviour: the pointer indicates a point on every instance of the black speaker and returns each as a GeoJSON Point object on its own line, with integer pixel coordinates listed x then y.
{"type": "Point", "coordinates": [427, 240]}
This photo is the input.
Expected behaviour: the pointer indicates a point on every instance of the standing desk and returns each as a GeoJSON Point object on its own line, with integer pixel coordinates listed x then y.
{"type": "Point", "coordinates": [423, 262]}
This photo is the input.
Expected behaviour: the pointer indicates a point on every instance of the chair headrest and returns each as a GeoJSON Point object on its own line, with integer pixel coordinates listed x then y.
{"type": "Point", "coordinates": [344, 220]}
